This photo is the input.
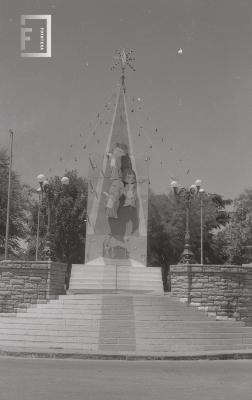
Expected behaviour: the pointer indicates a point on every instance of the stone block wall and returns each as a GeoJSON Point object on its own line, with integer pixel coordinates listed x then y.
{"type": "Point", "coordinates": [224, 291]}
{"type": "Point", "coordinates": [23, 283]}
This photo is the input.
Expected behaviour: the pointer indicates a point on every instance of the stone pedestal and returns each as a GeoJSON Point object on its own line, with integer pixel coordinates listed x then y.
{"type": "Point", "coordinates": [115, 277]}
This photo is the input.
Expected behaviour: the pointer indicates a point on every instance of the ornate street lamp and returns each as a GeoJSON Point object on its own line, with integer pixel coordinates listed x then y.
{"type": "Point", "coordinates": [47, 190]}
{"type": "Point", "coordinates": [38, 222]}
{"type": "Point", "coordinates": [201, 193]}
{"type": "Point", "coordinates": [187, 194]}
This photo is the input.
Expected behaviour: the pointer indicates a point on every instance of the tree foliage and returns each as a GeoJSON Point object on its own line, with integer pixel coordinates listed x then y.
{"type": "Point", "coordinates": [68, 220]}
{"type": "Point", "coordinates": [236, 237]}
{"type": "Point", "coordinates": [19, 207]}
{"type": "Point", "coordinates": [166, 228]}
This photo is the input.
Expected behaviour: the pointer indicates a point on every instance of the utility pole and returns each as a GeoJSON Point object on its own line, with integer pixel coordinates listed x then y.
{"type": "Point", "coordinates": [201, 231]}
{"type": "Point", "coordinates": [39, 191]}
{"type": "Point", "coordinates": [8, 199]}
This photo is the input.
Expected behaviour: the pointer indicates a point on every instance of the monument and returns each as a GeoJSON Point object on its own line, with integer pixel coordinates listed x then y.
{"type": "Point", "coordinates": [118, 193]}
{"type": "Point", "coordinates": [117, 211]}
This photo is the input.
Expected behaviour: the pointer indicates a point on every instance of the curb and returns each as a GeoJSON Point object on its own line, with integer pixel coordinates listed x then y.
{"type": "Point", "coordinates": [228, 355]}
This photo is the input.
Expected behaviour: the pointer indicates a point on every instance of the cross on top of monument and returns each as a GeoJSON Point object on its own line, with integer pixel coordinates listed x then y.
{"type": "Point", "coordinates": [123, 58]}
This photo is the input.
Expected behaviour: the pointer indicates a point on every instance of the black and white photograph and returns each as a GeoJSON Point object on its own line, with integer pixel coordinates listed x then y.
{"type": "Point", "coordinates": [125, 199]}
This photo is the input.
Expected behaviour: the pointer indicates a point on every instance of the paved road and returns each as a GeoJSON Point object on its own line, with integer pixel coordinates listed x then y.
{"type": "Point", "coordinates": [27, 379]}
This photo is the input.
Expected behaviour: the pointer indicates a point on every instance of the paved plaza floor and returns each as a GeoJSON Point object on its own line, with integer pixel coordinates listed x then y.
{"type": "Point", "coordinates": [36, 379]}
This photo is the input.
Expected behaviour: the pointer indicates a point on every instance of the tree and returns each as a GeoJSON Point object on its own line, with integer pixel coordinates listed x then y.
{"type": "Point", "coordinates": [68, 220]}
{"type": "Point", "coordinates": [19, 207]}
{"type": "Point", "coordinates": [237, 234]}
{"type": "Point", "coordinates": [166, 228]}
{"type": "Point", "coordinates": [70, 223]}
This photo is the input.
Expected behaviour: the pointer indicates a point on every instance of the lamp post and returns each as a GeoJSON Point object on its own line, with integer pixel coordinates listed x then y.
{"type": "Point", "coordinates": [7, 229]}
{"type": "Point", "coordinates": [38, 222]}
{"type": "Point", "coordinates": [201, 193]}
{"type": "Point", "coordinates": [187, 194]}
{"type": "Point", "coordinates": [47, 190]}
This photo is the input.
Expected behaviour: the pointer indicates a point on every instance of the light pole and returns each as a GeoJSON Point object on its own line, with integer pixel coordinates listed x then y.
{"type": "Point", "coordinates": [201, 193]}
{"type": "Point", "coordinates": [38, 222]}
{"type": "Point", "coordinates": [47, 190]}
{"type": "Point", "coordinates": [7, 229]}
{"type": "Point", "coordinates": [187, 194]}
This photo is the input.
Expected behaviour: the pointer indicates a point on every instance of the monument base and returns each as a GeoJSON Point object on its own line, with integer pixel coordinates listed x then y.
{"type": "Point", "coordinates": [129, 262]}
{"type": "Point", "coordinates": [106, 275]}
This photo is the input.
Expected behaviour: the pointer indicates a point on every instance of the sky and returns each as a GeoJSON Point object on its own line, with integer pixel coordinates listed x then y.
{"type": "Point", "coordinates": [189, 98]}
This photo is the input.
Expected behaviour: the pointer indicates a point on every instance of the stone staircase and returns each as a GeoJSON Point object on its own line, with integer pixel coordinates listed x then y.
{"type": "Point", "coordinates": [126, 323]}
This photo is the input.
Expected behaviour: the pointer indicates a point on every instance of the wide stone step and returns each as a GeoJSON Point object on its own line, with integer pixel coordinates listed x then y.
{"type": "Point", "coordinates": [68, 331]}
{"type": "Point", "coordinates": [144, 344]}
{"type": "Point", "coordinates": [95, 284]}
{"type": "Point", "coordinates": [165, 349]}
{"type": "Point", "coordinates": [113, 326]}
{"type": "Point", "coordinates": [112, 268]}
{"type": "Point", "coordinates": [114, 302]}
{"type": "Point", "coordinates": [122, 333]}
{"type": "Point", "coordinates": [122, 275]}
{"type": "Point", "coordinates": [191, 335]}
{"type": "Point", "coordinates": [92, 285]}
{"type": "Point", "coordinates": [140, 324]}
{"type": "Point", "coordinates": [18, 344]}
{"type": "Point", "coordinates": [93, 308]}
{"type": "Point", "coordinates": [50, 321]}
{"type": "Point", "coordinates": [47, 329]}
{"type": "Point", "coordinates": [191, 341]}
{"type": "Point", "coordinates": [70, 340]}
{"type": "Point", "coordinates": [90, 325]}
{"type": "Point", "coordinates": [118, 298]}
{"type": "Point", "coordinates": [82, 312]}
{"type": "Point", "coordinates": [121, 349]}
{"type": "Point", "coordinates": [82, 284]}
{"type": "Point", "coordinates": [119, 279]}
{"type": "Point", "coordinates": [92, 305]}
{"type": "Point", "coordinates": [49, 338]}
{"type": "Point", "coordinates": [184, 328]}
{"type": "Point", "coordinates": [106, 314]}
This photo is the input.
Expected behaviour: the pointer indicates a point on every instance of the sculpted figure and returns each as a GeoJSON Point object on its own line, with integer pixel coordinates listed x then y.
{"type": "Point", "coordinates": [130, 188]}
{"type": "Point", "coordinates": [115, 161]}
{"type": "Point", "coordinates": [116, 190]}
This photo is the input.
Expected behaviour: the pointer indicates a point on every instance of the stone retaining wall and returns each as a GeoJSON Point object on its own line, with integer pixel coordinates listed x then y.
{"type": "Point", "coordinates": [221, 290]}
{"type": "Point", "coordinates": [23, 283]}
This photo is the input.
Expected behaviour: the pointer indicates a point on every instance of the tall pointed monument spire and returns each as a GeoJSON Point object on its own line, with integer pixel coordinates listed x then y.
{"type": "Point", "coordinates": [124, 59]}
{"type": "Point", "coordinates": [117, 203]}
